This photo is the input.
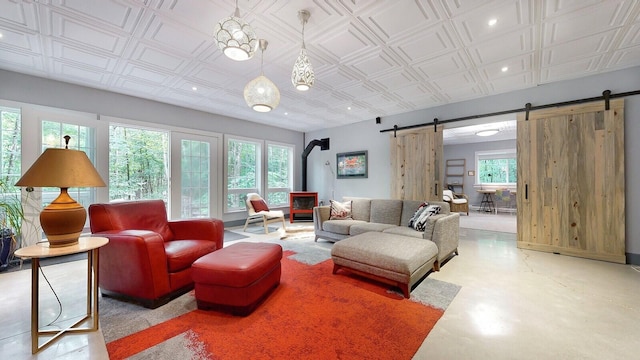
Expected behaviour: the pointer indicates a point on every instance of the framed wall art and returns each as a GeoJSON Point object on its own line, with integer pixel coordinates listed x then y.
{"type": "Point", "coordinates": [352, 165]}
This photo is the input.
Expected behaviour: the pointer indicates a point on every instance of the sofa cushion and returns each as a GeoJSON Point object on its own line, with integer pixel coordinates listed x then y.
{"type": "Point", "coordinates": [339, 226]}
{"type": "Point", "coordinates": [361, 209]}
{"type": "Point", "coordinates": [444, 206]}
{"type": "Point", "coordinates": [404, 231]}
{"type": "Point", "coordinates": [340, 210]}
{"type": "Point", "coordinates": [396, 257]}
{"type": "Point", "coordinates": [367, 227]}
{"type": "Point", "coordinates": [422, 214]}
{"type": "Point", "coordinates": [409, 207]}
{"type": "Point", "coordinates": [386, 211]}
{"type": "Point", "coordinates": [416, 215]}
{"type": "Point", "coordinates": [148, 215]}
{"type": "Point", "coordinates": [431, 223]}
{"type": "Point", "coordinates": [182, 253]}
{"type": "Point", "coordinates": [238, 265]}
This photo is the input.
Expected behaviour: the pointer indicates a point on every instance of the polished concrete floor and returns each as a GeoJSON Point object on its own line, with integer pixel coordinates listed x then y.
{"type": "Point", "coordinates": [514, 304]}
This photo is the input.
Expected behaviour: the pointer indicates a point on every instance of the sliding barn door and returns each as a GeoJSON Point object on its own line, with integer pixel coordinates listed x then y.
{"type": "Point", "coordinates": [571, 181]}
{"type": "Point", "coordinates": [416, 164]}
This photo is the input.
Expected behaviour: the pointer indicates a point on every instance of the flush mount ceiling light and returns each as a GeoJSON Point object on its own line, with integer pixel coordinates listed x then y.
{"type": "Point", "coordinates": [235, 37]}
{"type": "Point", "coordinates": [487, 132]}
{"type": "Point", "coordinates": [261, 94]}
{"type": "Point", "coordinates": [302, 76]}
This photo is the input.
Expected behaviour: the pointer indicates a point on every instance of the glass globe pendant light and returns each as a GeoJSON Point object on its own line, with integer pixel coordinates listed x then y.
{"type": "Point", "coordinates": [261, 94]}
{"type": "Point", "coordinates": [302, 76]}
{"type": "Point", "coordinates": [235, 37]}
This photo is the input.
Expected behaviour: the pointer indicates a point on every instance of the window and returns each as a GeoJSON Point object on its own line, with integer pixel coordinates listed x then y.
{"type": "Point", "coordinates": [10, 168]}
{"type": "Point", "coordinates": [243, 171]}
{"type": "Point", "coordinates": [279, 174]}
{"type": "Point", "coordinates": [497, 167]}
{"type": "Point", "coordinates": [195, 173]}
{"type": "Point", "coordinates": [10, 136]}
{"type": "Point", "coordinates": [82, 138]}
{"type": "Point", "coordinates": [138, 163]}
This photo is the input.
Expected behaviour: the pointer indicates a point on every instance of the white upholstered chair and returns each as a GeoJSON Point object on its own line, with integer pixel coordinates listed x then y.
{"type": "Point", "coordinates": [258, 211]}
{"type": "Point", "coordinates": [457, 202]}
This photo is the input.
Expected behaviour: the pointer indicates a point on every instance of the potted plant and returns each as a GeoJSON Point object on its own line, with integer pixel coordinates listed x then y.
{"type": "Point", "coordinates": [11, 216]}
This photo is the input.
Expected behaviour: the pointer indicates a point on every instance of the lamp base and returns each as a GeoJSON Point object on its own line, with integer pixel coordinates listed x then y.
{"type": "Point", "coordinates": [63, 220]}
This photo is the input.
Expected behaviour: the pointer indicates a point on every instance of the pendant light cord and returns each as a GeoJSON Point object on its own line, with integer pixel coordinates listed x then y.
{"type": "Point", "coordinates": [303, 22]}
{"type": "Point", "coordinates": [262, 60]}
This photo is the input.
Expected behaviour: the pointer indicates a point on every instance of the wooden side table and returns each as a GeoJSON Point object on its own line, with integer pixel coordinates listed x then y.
{"type": "Point", "coordinates": [90, 245]}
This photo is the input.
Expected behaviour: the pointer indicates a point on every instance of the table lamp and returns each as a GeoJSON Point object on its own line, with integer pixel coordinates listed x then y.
{"type": "Point", "coordinates": [63, 220]}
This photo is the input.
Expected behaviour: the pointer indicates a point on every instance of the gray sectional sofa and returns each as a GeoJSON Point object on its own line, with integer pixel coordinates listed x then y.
{"type": "Point", "coordinates": [391, 217]}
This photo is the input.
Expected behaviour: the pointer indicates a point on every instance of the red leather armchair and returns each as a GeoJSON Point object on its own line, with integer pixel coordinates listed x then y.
{"type": "Point", "coordinates": [148, 258]}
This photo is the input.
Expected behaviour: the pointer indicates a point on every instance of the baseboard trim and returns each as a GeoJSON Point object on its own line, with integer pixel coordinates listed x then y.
{"type": "Point", "coordinates": [633, 259]}
{"type": "Point", "coordinates": [500, 209]}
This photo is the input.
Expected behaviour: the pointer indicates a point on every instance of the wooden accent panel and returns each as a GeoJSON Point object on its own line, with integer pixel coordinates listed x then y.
{"type": "Point", "coordinates": [416, 164]}
{"type": "Point", "coordinates": [571, 188]}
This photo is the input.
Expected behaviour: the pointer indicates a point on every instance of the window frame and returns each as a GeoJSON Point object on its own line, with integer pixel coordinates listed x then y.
{"type": "Point", "coordinates": [497, 154]}
{"type": "Point", "coordinates": [260, 177]}
{"type": "Point", "coordinates": [291, 151]}
{"type": "Point", "coordinates": [85, 196]}
{"type": "Point", "coordinates": [166, 155]}
{"type": "Point", "coordinates": [262, 169]}
{"type": "Point", "coordinates": [12, 177]}
{"type": "Point", "coordinates": [215, 150]}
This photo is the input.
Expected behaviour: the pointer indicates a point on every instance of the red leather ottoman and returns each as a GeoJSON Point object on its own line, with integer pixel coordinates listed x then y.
{"type": "Point", "coordinates": [237, 278]}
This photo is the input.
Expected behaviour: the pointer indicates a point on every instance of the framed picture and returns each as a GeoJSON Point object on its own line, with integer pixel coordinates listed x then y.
{"type": "Point", "coordinates": [352, 165]}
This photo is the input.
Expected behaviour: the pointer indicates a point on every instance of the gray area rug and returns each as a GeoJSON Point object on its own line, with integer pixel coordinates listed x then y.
{"type": "Point", "coordinates": [124, 318]}
{"type": "Point", "coordinates": [232, 236]}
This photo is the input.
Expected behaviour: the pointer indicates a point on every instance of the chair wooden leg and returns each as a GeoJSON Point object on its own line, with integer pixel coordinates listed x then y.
{"type": "Point", "coordinates": [266, 225]}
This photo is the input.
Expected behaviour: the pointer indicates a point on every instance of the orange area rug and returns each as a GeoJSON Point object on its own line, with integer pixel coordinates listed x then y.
{"type": "Point", "coordinates": [312, 314]}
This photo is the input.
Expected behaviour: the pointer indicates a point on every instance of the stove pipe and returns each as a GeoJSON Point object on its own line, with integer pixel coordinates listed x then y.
{"type": "Point", "coordinates": [324, 145]}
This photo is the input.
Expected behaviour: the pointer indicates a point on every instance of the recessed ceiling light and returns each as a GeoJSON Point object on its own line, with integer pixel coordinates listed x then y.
{"type": "Point", "coordinates": [286, 113]}
{"type": "Point", "coordinates": [0, 35]}
{"type": "Point", "coordinates": [492, 22]}
{"type": "Point", "coordinates": [487, 132]}
{"type": "Point", "coordinates": [505, 69]}
{"type": "Point", "coordinates": [194, 88]}
{"type": "Point", "coordinates": [348, 107]}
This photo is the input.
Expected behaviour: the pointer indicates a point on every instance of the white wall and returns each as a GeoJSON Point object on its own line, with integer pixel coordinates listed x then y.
{"type": "Point", "coordinates": [320, 178]}
{"type": "Point", "coordinates": [366, 135]}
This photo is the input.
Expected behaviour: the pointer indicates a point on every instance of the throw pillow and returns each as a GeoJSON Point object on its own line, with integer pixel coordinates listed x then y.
{"type": "Point", "coordinates": [417, 214]}
{"type": "Point", "coordinates": [340, 211]}
{"type": "Point", "coordinates": [259, 205]}
{"type": "Point", "coordinates": [420, 223]}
